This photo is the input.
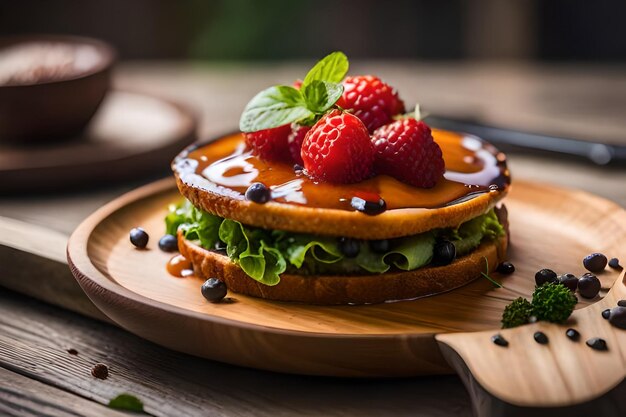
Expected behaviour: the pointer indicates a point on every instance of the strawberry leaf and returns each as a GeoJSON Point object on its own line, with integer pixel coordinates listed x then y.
{"type": "Point", "coordinates": [321, 95]}
{"type": "Point", "coordinates": [332, 68]}
{"type": "Point", "coordinates": [273, 107]}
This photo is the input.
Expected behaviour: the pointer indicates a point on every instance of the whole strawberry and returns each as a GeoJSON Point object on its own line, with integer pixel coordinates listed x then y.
{"type": "Point", "coordinates": [270, 144]}
{"type": "Point", "coordinates": [371, 100]}
{"type": "Point", "coordinates": [338, 149]}
{"type": "Point", "coordinates": [405, 149]}
{"type": "Point", "coordinates": [295, 139]}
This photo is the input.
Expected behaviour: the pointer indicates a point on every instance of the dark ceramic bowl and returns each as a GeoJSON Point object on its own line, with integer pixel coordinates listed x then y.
{"type": "Point", "coordinates": [50, 108]}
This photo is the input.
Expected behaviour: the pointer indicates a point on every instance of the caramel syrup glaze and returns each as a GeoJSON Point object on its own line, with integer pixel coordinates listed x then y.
{"type": "Point", "coordinates": [224, 166]}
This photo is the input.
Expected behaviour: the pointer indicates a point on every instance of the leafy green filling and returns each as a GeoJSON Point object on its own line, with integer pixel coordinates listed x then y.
{"type": "Point", "coordinates": [265, 254]}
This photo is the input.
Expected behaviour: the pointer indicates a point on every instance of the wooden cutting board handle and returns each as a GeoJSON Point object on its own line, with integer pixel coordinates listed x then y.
{"type": "Point", "coordinates": [528, 378]}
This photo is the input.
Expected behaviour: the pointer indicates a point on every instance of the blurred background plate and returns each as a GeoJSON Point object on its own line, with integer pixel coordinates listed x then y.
{"type": "Point", "coordinates": [133, 135]}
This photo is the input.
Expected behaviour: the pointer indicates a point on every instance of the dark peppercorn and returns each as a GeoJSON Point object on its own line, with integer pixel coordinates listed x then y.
{"type": "Point", "coordinates": [570, 281]}
{"type": "Point", "coordinates": [597, 343]}
{"type": "Point", "coordinates": [349, 247]}
{"type": "Point", "coordinates": [618, 317]}
{"type": "Point", "coordinates": [606, 314]}
{"type": "Point", "coordinates": [444, 253]}
{"type": "Point", "coordinates": [72, 351]}
{"type": "Point", "coordinates": [594, 262]}
{"type": "Point", "coordinates": [213, 290]}
{"type": "Point", "coordinates": [614, 263]}
{"type": "Point", "coordinates": [499, 340]}
{"type": "Point", "coordinates": [168, 243]}
{"type": "Point", "coordinates": [545, 275]}
{"type": "Point", "coordinates": [371, 208]}
{"type": "Point", "coordinates": [139, 237]}
{"type": "Point", "coordinates": [506, 268]}
{"type": "Point", "coordinates": [621, 303]}
{"type": "Point", "coordinates": [100, 371]}
{"type": "Point", "coordinates": [379, 246]}
{"type": "Point", "coordinates": [258, 193]}
{"type": "Point", "coordinates": [589, 286]}
{"type": "Point", "coordinates": [572, 334]}
{"type": "Point", "coordinates": [541, 338]}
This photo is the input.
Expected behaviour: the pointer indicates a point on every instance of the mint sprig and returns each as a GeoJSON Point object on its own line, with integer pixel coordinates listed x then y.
{"type": "Point", "coordinates": [281, 104]}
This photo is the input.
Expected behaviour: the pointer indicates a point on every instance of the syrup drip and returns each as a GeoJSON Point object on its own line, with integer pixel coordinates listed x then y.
{"type": "Point", "coordinates": [473, 167]}
{"type": "Point", "coordinates": [180, 267]}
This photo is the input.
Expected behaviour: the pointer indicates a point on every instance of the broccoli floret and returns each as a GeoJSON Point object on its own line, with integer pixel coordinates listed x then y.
{"type": "Point", "coordinates": [516, 313]}
{"type": "Point", "coordinates": [553, 302]}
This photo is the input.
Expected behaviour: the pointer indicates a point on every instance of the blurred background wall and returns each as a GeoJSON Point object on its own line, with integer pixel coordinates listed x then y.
{"type": "Point", "coordinates": [548, 30]}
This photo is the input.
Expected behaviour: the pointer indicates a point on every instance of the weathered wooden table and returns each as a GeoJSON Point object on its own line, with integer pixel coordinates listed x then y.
{"type": "Point", "coordinates": [38, 376]}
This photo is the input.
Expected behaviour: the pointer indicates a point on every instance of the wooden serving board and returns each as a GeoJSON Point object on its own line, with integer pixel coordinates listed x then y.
{"type": "Point", "coordinates": [132, 134]}
{"type": "Point", "coordinates": [550, 227]}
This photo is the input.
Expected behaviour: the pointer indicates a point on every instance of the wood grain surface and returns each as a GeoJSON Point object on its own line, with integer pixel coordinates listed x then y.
{"type": "Point", "coordinates": [34, 338]}
{"type": "Point", "coordinates": [133, 288]}
{"type": "Point", "coordinates": [132, 134]}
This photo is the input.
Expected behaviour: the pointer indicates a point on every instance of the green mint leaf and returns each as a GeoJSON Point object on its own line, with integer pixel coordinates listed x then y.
{"type": "Point", "coordinates": [273, 107]}
{"type": "Point", "coordinates": [321, 95]}
{"type": "Point", "coordinates": [332, 68]}
{"type": "Point", "coordinates": [126, 402]}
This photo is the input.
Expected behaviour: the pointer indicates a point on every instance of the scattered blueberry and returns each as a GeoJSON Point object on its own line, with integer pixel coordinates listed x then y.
{"type": "Point", "coordinates": [541, 338]}
{"type": "Point", "coordinates": [606, 314]}
{"type": "Point", "coordinates": [594, 262]}
{"type": "Point", "coordinates": [371, 208]}
{"type": "Point", "coordinates": [597, 343]}
{"type": "Point", "coordinates": [614, 263]}
{"type": "Point", "coordinates": [168, 243]}
{"type": "Point", "coordinates": [570, 281]}
{"type": "Point", "coordinates": [506, 268]}
{"type": "Point", "coordinates": [349, 247]}
{"type": "Point", "coordinates": [618, 317]}
{"type": "Point", "coordinates": [379, 246]}
{"type": "Point", "coordinates": [139, 237]}
{"type": "Point", "coordinates": [258, 193]}
{"type": "Point", "coordinates": [297, 168]}
{"type": "Point", "coordinates": [213, 290]}
{"type": "Point", "coordinates": [589, 286]}
{"type": "Point", "coordinates": [572, 334]}
{"type": "Point", "coordinates": [444, 253]}
{"type": "Point", "coordinates": [499, 340]}
{"type": "Point", "coordinates": [545, 275]}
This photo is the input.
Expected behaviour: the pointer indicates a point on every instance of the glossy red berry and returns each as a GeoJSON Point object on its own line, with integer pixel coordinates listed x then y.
{"type": "Point", "coordinates": [405, 149]}
{"type": "Point", "coordinates": [371, 100]}
{"type": "Point", "coordinates": [294, 141]}
{"type": "Point", "coordinates": [338, 149]}
{"type": "Point", "coordinates": [270, 144]}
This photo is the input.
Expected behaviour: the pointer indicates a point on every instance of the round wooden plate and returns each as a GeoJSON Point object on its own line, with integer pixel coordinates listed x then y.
{"type": "Point", "coordinates": [550, 227]}
{"type": "Point", "coordinates": [132, 134]}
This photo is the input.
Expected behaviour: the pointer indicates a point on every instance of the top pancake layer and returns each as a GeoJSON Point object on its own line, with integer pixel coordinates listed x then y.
{"type": "Point", "coordinates": [214, 177]}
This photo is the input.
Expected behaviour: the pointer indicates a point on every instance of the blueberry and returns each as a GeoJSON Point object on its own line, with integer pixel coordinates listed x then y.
{"type": "Point", "coordinates": [544, 276]}
{"type": "Point", "coordinates": [506, 268]}
{"type": "Point", "coordinates": [499, 340]}
{"type": "Point", "coordinates": [258, 193]}
{"type": "Point", "coordinates": [618, 317]}
{"type": "Point", "coordinates": [444, 253]}
{"type": "Point", "coordinates": [572, 334]}
{"type": "Point", "coordinates": [589, 286]}
{"type": "Point", "coordinates": [594, 262]}
{"type": "Point", "coordinates": [297, 168]}
{"type": "Point", "coordinates": [597, 343]}
{"type": "Point", "coordinates": [570, 281]}
{"type": "Point", "coordinates": [614, 263]}
{"type": "Point", "coordinates": [139, 237]}
{"type": "Point", "coordinates": [379, 246]}
{"type": "Point", "coordinates": [541, 338]}
{"type": "Point", "coordinates": [213, 290]}
{"type": "Point", "coordinates": [168, 243]}
{"type": "Point", "coordinates": [349, 247]}
{"type": "Point", "coordinates": [371, 208]}
{"type": "Point", "coordinates": [606, 314]}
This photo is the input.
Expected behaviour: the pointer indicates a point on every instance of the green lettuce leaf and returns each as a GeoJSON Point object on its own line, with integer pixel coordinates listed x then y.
{"type": "Point", "coordinates": [265, 254]}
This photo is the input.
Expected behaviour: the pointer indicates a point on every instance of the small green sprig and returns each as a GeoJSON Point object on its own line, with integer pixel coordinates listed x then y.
{"type": "Point", "coordinates": [126, 402]}
{"type": "Point", "coordinates": [283, 104]}
{"type": "Point", "coordinates": [552, 302]}
{"type": "Point", "coordinates": [486, 274]}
